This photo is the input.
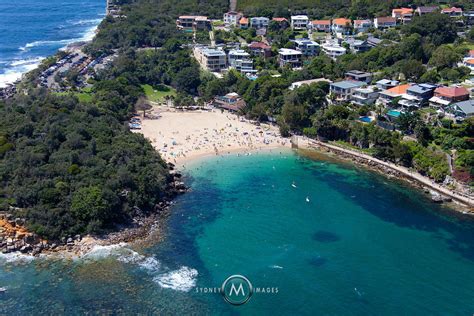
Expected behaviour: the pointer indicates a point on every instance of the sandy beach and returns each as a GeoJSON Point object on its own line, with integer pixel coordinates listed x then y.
{"type": "Point", "coordinates": [182, 136]}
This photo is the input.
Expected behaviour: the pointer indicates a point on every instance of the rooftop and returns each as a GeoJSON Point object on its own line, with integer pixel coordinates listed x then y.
{"type": "Point", "coordinates": [387, 81]}
{"type": "Point", "coordinates": [260, 45]}
{"type": "Point", "coordinates": [452, 91]}
{"type": "Point", "coordinates": [348, 84]}
{"type": "Point", "coordinates": [321, 22]}
{"type": "Point", "coordinates": [452, 9]}
{"type": "Point", "coordinates": [280, 19]}
{"type": "Point", "coordinates": [401, 89]}
{"type": "Point", "coordinates": [386, 19]}
{"type": "Point", "coordinates": [288, 51]}
{"type": "Point", "coordinates": [342, 21]}
{"type": "Point", "coordinates": [244, 20]}
{"type": "Point", "coordinates": [466, 106]}
{"type": "Point", "coordinates": [299, 17]}
{"type": "Point", "coordinates": [402, 11]}
{"type": "Point", "coordinates": [427, 9]}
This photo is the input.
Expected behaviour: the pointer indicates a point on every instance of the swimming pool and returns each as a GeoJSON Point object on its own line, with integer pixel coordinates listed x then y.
{"type": "Point", "coordinates": [365, 119]}
{"type": "Point", "coordinates": [394, 113]}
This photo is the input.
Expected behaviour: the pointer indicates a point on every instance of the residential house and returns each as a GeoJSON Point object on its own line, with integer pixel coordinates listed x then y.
{"type": "Point", "coordinates": [244, 23]}
{"type": "Point", "coordinates": [240, 60]}
{"type": "Point", "coordinates": [373, 41]}
{"type": "Point", "coordinates": [231, 102]}
{"type": "Point", "coordinates": [321, 25]}
{"type": "Point", "coordinates": [469, 15]}
{"type": "Point", "coordinates": [260, 49]}
{"type": "Point", "coordinates": [385, 22]}
{"type": "Point", "coordinates": [362, 26]}
{"type": "Point", "coordinates": [282, 22]}
{"type": "Point", "coordinates": [387, 97]}
{"type": "Point", "coordinates": [357, 46]}
{"type": "Point", "coordinates": [358, 75]}
{"type": "Point", "coordinates": [259, 22]}
{"type": "Point", "coordinates": [299, 22]}
{"type": "Point", "coordinates": [232, 18]}
{"type": "Point", "coordinates": [307, 46]}
{"type": "Point", "coordinates": [386, 84]}
{"type": "Point", "coordinates": [333, 49]}
{"type": "Point", "coordinates": [290, 57]}
{"type": "Point", "coordinates": [342, 26]}
{"type": "Point", "coordinates": [403, 15]}
{"type": "Point", "coordinates": [463, 109]}
{"type": "Point", "coordinates": [364, 96]}
{"type": "Point", "coordinates": [444, 96]}
{"type": "Point", "coordinates": [190, 22]}
{"type": "Point", "coordinates": [417, 95]}
{"type": "Point", "coordinates": [453, 12]}
{"type": "Point", "coordinates": [426, 10]}
{"type": "Point", "coordinates": [214, 60]}
{"type": "Point", "coordinates": [469, 62]}
{"type": "Point", "coordinates": [343, 90]}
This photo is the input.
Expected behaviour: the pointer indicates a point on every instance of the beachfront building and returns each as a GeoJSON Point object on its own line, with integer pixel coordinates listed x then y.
{"type": "Point", "coordinates": [214, 60]}
{"type": "Point", "coordinates": [282, 22]}
{"type": "Point", "coordinates": [260, 49]}
{"type": "Point", "coordinates": [231, 102]}
{"type": "Point", "coordinates": [469, 62]}
{"type": "Point", "coordinates": [333, 49]}
{"type": "Point", "coordinates": [356, 45]}
{"type": "Point", "coordinates": [299, 22]}
{"type": "Point", "coordinates": [343, 90]}
{"type": "Point", "coordinates": [417, 95]}
{"type": "Point", "coordinates": [240, 60]}
{"type": "Point", "coordinates": [389, 96]}
{"type": "Point", "coordinates": [444, 96]}
{"type": "Point", "coordinates": [232, 18]}
{"type": "Point", "coordinates": [385, 22]}
{"type": "Point", "coordinates": [342, 26]}
{"type": "Point", "coordinates": [364, 96]}
{"type": "Point", "coordinates": [362, 26]}
{"type": "Point", "coordinates": [289, 57]}
{"type": "Point", "coordinates": [403, 15]}
{"type": "Point", "coordinates": [358, 75]}
{"type": "Point", "coordinates": [307, 47]}
{"type": "Point", "coordinates": [386, 84]}
{"type": "Point", "coordinates": [426, 10]}
{"type": "Point", "coordinates": [321, 25]}
{"type": "Point", "coordinates": [453, 12]}
{"type": "Point", "coordinates": [244, 23]}
{"type": "Point", "coordinates": [193, 22]}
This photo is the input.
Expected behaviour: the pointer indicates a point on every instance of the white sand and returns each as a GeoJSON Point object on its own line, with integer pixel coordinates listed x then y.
{"type": "Point", "coordinates": [182, 136]}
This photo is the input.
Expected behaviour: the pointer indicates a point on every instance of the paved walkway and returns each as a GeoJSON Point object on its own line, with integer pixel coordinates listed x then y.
{"type": "Point", "coordinates": [405, 171]}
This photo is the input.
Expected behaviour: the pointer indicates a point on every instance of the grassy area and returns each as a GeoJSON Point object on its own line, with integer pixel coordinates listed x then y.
{"type": "Point", "coordinates": [343, 144]}
{"type": "Point", "coordinates": [159, 93]}
{"type": "Point", "coordinates": [85, 95]}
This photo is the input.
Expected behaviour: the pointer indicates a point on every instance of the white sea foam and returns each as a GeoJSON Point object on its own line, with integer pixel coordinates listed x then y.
{"type": "Point", "coordinates": [86, 22]}
{"type": "Point", "coordinates": [276, 267]}
{"type": "Point", "coordinates": [15, 257]}
{"type": "Point", "coordinates": [16, 68]}
{"type": "Point", "coordinates": [183, 279]}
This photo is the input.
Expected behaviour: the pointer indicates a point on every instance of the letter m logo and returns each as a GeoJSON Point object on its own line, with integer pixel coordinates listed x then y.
{"type": "Point", "coordinates": [237, 290]}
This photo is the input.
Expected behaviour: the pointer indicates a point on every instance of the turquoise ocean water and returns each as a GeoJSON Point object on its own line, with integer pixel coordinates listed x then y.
{"type": "Point", "coordinates": [362, 245]}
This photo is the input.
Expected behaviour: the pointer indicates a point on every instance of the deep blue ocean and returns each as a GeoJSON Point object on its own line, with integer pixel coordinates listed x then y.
{"type": "Point", "coordinates": [31, 30]}
{"type": "Point", "coordinates": [341, 241]}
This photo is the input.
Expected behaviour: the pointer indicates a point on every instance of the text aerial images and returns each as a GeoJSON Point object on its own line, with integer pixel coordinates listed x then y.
{"type": "Point", "coordinates": [236, 157]}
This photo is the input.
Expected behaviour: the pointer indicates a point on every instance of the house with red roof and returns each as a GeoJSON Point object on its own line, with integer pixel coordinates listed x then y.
{"type": "Point", "coordinates": [453, 12]}
{"type": "Point", "coordinates": [342, 25]}
{"type": "Point", "coordinates": [282, 22]}
{"type": "Point", "coordinates": [403, 15]}
{"type": "Point", "coordinates": [444, 96]}
{"type": "Point", "coordinates": [260, 49]}
{"type": "Point", "coordinates": [361, 26]}
{"type": "Point", "coordinates": [244, 23]}
{"type": "Point", "coordinates": [385, 22]}
{"type": "Point", "coordinates": [321, 25]}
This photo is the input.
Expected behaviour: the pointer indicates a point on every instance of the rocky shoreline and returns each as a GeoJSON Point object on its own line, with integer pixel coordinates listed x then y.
{"type": "Point", "coordinates": [15, 237]}
{"type": "Point", "coordinates": [435, 196]}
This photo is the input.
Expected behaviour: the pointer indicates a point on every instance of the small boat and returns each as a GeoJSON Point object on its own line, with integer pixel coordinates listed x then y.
{"type": "Point", "coordinates": [3, 289]}
{"type": "Point", "coordinates": [293, 185]}
{"type": "Point", "coordinates": [307, 199]}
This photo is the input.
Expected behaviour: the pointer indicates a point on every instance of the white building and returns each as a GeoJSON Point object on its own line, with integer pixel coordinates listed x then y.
{"type": "Point", "coordinates": [240, 60]}
{"type": "Point", "coordinates": [210, 59]}
{"type": "Point", "coordinates": [259, 22]}
{"type": "Point", "coordinates": [289, 57]}
{"type": "Point", "coordinates": [333, 49]}
{"type": "Point", "coordinates": [299, 22]}
{"type": "Point", "coordinates": [232, 18]}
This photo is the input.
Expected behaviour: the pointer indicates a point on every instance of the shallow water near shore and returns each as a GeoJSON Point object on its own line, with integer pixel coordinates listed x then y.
{"type": "Point", "coordinates": [341, 241]}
